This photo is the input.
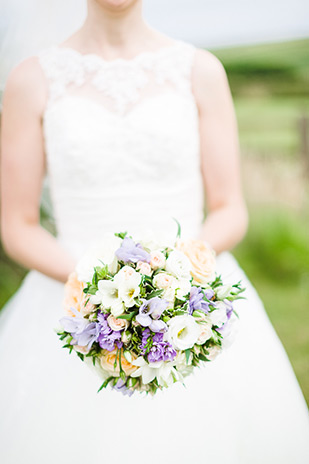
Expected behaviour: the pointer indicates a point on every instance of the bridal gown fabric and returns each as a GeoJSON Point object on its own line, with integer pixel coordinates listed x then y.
{"type": "Point", "coordinates": [122, 149]}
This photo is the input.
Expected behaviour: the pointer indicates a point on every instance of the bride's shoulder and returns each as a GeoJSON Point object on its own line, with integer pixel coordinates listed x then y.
{"type": "Point", "coordinates": [26, 83]}
{"type": "Point", "coordinates": [209, 77]}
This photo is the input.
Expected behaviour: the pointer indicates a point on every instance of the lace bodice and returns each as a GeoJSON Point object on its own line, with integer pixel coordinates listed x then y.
{"type": "Point", "coordinates": [122, 143]}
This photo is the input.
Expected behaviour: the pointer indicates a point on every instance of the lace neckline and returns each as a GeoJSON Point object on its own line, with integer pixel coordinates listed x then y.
{"type": "Point", "coordinates": [140, 57]}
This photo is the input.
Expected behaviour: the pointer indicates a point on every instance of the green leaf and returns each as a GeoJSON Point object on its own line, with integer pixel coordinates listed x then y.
{"type": "Point", "coordinates": [187, 352]}
{"type": "Point", "coordinates": [129, 316]}
{"type": "Point", "coordinates": [105, 383]}
{"type": "Point", "coordinates": [155, 293]}
{"type": "Point", "coordinates": [178, 228]}
{"type": "Point", "coordinates": [121, 234]}
{"type": "Point", "coordinates": [80, 355]}
{"type": "Point", "coordinates": [202, 357]}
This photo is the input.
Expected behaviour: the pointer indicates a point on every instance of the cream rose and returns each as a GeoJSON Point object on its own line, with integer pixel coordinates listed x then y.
{"type": "Point", "coordinates": [144, 268]}
{"type": "Point", "coordinates": [75, 297]}
{"type": "Point", "coordinates": [157, 259]}
{"type": "Point", "coordinates": [205, 333]}
{"type": "Point", "coordinates": [117, 324]}
{"type": "Point", "coordinates": [164, 280]}
{"type": "Point", "coordinates": [213, 352]}
{"type": "Point", "coordinates": [202, 257]}
{"type": "Point", "coordinates": [108, 358]}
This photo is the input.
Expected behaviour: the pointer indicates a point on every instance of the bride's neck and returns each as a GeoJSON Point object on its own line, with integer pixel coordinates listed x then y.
{"type": "Point", "coordinates": [108, 31]}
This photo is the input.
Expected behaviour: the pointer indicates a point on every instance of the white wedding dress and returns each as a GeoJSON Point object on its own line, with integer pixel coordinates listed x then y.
{"type": "Point", "coordinates": [122, 148]}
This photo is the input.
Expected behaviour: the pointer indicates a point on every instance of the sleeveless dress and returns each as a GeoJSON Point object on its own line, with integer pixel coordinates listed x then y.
{"type": "Point", "coordinates": [122, 149]}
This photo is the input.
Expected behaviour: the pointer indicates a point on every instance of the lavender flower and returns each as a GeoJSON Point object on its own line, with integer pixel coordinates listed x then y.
{"type": "Point", "coordinates": [197, 302]}
{"type": "Point", "coordinates": [150, 312]}
{"type": "Point", "coordinates": [107, 338]}
{"type": "Point", "coordinates": [84, 333]}
{"type": "Point", "coordinates": [120, 386]}
{"type": "Point", "coordinates": [156, 353]}
{"type": "Point", "coordinates": [131, 252]}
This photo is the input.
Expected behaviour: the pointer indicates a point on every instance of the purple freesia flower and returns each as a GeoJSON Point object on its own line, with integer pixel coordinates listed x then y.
{"type": "Point", "coordinates": [84, 333]}
{"type": "Point", "coordinates": [197, 302]}
{"type": "Point", "coordinates": [156, 353]}
{"type": "Point", "coordinates": [107, 338]}
{"type": "Point", "coordinates": [120, 386]}
{"type": "Point", "coordinates": [150, 312]}
{"type": "Point", "coordinates": [160, 350]}
{"type": "Point", "coordinates": [131, 252]}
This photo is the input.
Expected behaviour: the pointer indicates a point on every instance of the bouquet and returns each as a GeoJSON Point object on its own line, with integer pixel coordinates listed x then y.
{"type": "Point", "coordinates": [144, 315]}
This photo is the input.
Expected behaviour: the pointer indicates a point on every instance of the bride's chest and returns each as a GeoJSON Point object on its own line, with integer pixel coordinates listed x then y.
{"type": "Point", "coordinates": [160, 132]}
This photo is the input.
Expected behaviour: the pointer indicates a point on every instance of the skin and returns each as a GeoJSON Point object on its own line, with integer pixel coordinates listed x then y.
{"type": "Point", "coordinates": [113, 29]}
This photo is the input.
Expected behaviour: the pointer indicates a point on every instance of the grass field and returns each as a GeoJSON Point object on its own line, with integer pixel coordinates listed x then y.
{"type": "Point", "coordinates": [270, 85]}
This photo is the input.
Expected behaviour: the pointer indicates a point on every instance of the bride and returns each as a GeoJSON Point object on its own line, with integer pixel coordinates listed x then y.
{"type": "Point", "coordinates": [132, 128]}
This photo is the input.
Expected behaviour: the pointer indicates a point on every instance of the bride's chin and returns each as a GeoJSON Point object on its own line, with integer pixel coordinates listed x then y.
{"type": "Point", "coordinates": [116, 4]}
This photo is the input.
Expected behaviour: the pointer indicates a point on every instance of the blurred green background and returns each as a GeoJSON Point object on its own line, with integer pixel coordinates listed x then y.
{"type": "Point", "coordinates": [270, 87]}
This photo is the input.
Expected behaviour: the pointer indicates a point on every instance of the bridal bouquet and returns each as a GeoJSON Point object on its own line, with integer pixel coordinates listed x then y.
{"type": "Point", "coordinates": [144, 315]}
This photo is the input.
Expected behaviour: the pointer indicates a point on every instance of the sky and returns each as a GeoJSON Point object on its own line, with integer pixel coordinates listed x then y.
{"type": "Point", "coordinates": [221, 23]}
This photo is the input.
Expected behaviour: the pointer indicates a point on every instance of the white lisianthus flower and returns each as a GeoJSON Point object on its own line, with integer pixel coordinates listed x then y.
{"type": "Point", "coordinates": [108, 295]}
{"type": "Point", "coordinates": [224, 291]}
{"type": "Point", "coordinates": [183, 332]}
{"type": "Point", "coordinates": [104, 251]}
{"type": "Point", "coordinates": [148, 371]}
{"type": "Point", "coordinates": [218, 317]}
{"type": "Point", "coordinates": [179, 265]}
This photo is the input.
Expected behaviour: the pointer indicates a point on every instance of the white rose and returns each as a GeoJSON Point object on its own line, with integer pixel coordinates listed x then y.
{"type": "Point", "coordinates": [103, 251]}
{"type": "Point", "coordinates": [183, 332]}
{"type": "Point", "coordinates": [183, 288]}
{"type": "Point", "coordinates": [181, 364]}
{"type": "Point", "coordinates": [179, 265]}
{"type": "Point", "coordinates": [218, 317]}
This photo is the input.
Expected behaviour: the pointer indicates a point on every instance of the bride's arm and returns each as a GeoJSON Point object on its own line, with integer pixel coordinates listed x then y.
{"type": "Point", "coordinates": [22, 173]}
{"type": "Point", "coordinates": [227, 219]}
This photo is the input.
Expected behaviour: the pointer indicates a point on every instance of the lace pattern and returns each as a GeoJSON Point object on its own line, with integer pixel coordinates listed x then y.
{"type": "Point", "coordinates": [121, 82]}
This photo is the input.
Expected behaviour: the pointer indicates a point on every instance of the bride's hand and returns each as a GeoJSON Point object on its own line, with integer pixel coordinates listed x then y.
{"type": "Point", "coordinates": [22, 172]}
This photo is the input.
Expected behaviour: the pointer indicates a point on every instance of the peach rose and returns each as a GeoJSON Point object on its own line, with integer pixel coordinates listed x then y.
{"type": "Point", "coordinates": [108, 359]}
{"type": "Point", "coordinates": [202, 257]}
{"type": "Point", "coordinates": [75, 297]}
{"type": "Point", "coordinates": [117, 324]}
{"type": "Point", "coordinates": [144, 268]}
{"type": "Point", "coordinates": [157, 259]}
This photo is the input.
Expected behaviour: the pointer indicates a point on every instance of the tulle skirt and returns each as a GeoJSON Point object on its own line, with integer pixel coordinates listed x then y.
{"type": "Point", "coordinates": [245, 407]}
